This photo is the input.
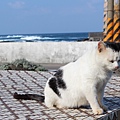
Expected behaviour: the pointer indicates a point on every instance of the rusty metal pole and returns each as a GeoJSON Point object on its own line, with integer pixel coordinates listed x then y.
{"type": "Point", "coordinates": [105, 18]}
{"type": "Point", "coordinates": [116, 29]}
{"type": "Point", "coordinates": [109, 35]}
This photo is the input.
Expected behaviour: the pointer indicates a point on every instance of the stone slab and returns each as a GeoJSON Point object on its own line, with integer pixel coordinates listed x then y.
{"type": "Point", "coordinates": [34, 82]}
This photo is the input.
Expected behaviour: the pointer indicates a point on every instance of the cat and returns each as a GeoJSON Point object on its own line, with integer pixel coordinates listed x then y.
{"type": "Point", "coordinates": [81, 82]}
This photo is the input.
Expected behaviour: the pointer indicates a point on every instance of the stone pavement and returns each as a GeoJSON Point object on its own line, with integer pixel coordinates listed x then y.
{"type": "Point", "coordinates": [34, 82]}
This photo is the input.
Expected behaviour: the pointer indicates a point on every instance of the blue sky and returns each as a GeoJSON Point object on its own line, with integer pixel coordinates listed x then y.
{"type": "Point", "coordinates": [50, 16]}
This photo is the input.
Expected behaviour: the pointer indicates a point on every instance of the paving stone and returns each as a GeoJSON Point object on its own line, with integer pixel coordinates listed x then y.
{"type": "Point", "coordinates": [34, 82]}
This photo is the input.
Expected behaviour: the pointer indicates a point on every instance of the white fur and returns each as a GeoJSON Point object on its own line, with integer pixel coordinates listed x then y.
{"type": "Point", "coordinates": [85, 79]}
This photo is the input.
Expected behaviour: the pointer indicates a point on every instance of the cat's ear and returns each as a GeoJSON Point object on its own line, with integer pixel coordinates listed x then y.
{"type": "Point", "coordinates": [101, 46]}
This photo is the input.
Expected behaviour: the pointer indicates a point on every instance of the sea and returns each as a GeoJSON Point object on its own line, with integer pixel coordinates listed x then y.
{"type": "Point", "coordinates": [58, 37]}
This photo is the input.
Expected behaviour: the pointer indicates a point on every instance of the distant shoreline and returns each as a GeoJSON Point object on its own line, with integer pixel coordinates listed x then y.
{"type": "Point", "coordinates": [52, 37]}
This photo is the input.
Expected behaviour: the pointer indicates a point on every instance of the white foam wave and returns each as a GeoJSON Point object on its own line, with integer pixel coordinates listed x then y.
{"type": "Point", "coordinates": [14, 36]}
{"type": "Point", "coordinates": [35, 38]}
{"type": "Point", "coordinates": [31, 38]}
{"type": "Point", "coordinates": [1, 40]}
{"type": "Point", "coordinates": [6, 40]}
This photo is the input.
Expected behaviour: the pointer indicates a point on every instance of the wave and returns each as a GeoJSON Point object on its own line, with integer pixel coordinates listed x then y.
{"type": "Point", "coordinates": [22, 38]}
{"type": "Point", "coordinates": [31, 38]}
{"type": "Point", "coordinates": [8, 40]}
{"type": "Point", "coordinates": [36, 38]}
{"type": "Point", "coordinates": [14, 36]}
{"type": "Point", "coordinates": [43, 37]}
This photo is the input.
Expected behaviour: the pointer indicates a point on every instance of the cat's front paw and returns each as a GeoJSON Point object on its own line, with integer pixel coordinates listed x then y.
{"type": "Point", "coordinates": [98, 111]}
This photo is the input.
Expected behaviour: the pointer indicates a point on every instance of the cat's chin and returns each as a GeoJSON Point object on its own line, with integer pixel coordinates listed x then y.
{"type": "Point", "coordinates": [111, 70]}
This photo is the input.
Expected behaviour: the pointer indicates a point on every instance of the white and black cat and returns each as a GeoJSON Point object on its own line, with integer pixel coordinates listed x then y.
{"type": "Point", "coordinates": [81, 82]}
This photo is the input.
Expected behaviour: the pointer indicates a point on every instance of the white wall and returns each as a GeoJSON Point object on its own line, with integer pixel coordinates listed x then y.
{"type": "Point", "coordinates": [43, 52]}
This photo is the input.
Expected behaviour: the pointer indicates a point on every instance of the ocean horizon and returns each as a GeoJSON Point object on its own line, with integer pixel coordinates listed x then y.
{"type": "Point", "coordinates": [58, 37]}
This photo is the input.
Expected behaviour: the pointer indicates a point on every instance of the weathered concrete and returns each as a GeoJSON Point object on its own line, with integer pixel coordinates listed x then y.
{"type": "Point", "coordinates": [43, 52]}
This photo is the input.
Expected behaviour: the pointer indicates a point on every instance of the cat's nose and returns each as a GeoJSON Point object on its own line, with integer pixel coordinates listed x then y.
{"type": "Point", "coordinates": [116, 67]}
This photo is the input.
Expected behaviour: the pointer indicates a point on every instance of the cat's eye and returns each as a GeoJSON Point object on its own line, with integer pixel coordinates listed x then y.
{"type": "Point", "coordinates": [112, 61]}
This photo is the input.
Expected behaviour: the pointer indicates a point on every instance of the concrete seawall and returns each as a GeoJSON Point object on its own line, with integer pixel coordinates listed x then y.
{"type": "Point", "coordinates": [43, 52]}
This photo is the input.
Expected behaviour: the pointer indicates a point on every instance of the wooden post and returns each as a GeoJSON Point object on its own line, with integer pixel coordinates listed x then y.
{"type": "Point", "coordinates": [109, 35]}
{"type": "Point", "coordinates": [116, 29]}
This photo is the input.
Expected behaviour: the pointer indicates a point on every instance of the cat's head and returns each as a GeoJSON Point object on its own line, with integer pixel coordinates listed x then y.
{"type": "Point", "coordinates": [109, 55]}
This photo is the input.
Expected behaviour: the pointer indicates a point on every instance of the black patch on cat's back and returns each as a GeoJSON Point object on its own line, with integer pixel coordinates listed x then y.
{"type": "Point", "coordinates": [59, 73]}
{"type": "Point", "coordinates": [56, 82]}
{"type": "Point", "coordinates": [113, 46]}
{"type": "Point", "coordinates": [53, 85]}
{"type": "Point", "coordinates": [59, 76]}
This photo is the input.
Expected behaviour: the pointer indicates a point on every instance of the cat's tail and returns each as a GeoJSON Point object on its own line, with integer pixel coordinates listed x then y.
{"type": "Point", "coordinates": [36, 97]}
